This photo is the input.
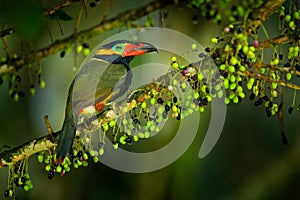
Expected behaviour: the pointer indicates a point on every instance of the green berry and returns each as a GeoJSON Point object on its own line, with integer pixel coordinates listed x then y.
{"type": "Point", "coordinates": [85, 163]}
{"type": "Point", "coordinates": [274, 85]}
{"type": "Point", "coordinates": [194, 47]}
{"type": "Point", "coordinates": [227, 100]}
{"type": "Point", "coordinates": [175, 65]}
{"type": "Point", "coordinates": [141, 135]}
{"type": "Point", "coordinates": [40, 158]}
{"type": "Point", "coordinates": [144, 105]}
{"type": "Point", "coordinates": [26, 188]}
{"type": "Point", "coordinates": [292, 25]}
{"type": "Point", "coordinates": [122, 139]}
{"type": "Point", "coordinates": [287, 18]}
{"type": "Point", "coordinates": [152, 101]}
{"type": "Point", "coordinates": [85, 156]}
{"type": "Point", "coordinates": [116, 145]}
{"type": "Point", "coordinates": [235, 99]}
{"type": "Point", "coordinates": [173, 59]}
{"type": "Point", "coordinates": [135, 138]}
{"type": "Point", "coordinates": [226, 83]}
{"type": "Point", "coordinates": [79, 48]}
{"type": "Point", "coordinates": [86, 51]}
{"type": "Point", "coordinates": [200, 77]}
{"type": "Point", "coordinates": [239, 89]}
{"type": "Point", "coordinates": [245, 49]}
{"type": "Point", "coordinates": [112, 123]}
{"type": "Point", "coordinates": [147, 134]}
{"type": "Point", "coordinates": [231, 69]}
{"type": "Point", "coordinates": [105, 127]}
{"type": "Point", "coordinates": [220, 93]}
{"type": "Point", "coordinates": [262, 70]}
{"type": "Point", "coordinates": [42, 84]}
{"type": "Point", "coordinates": [232, 78]}
{"type": "Point", "coordinates": [233, 60]}
{"type": "Point", "coordinates": [288, 76]}
{"type": "Point", "coordinates": [32, 91]}
{"type": "Point", "coordinates": [101, 151]}
{"type": "Point", "coordinates": [214, 40]}
{"type": "Point", "coordinates": [242, 95]}
{"type": "Point", "coordinates": [242, 68]}
{"type": "Point", "coordinates": [48, 168]}
{"type": "Point", "coordinates": [58, 169]}
{"type": "Point", "coordinates": [231, 95]}
{"type": "Point", "coordinates": [222, 66]}
{"type": "Point", "coordinates": [232, 86]}
{"type": "Point", "coordinates": [95, 159]}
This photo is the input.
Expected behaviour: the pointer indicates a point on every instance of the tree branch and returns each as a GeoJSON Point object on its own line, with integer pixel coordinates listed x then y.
{"type": "Point", "coordinates": [15, 64]}
{"type": "Point", "coordinates": [262, 13]}
{"type": "Point", "coordinates": [60, 6]}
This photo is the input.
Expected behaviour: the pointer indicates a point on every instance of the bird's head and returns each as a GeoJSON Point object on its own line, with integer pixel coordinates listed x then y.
{"type": "Point", "coordinates": [123, 51]}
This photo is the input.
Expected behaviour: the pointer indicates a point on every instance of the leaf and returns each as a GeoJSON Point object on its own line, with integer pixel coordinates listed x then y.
{"type": "Point", "coordinates": [59, 14]}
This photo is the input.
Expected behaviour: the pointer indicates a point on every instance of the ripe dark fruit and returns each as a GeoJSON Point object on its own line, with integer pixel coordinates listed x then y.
{"type": "Point", "coordinates": [6, 193]}
{"type": "Point", "coordinates": [92, 4]}
{"type": "Point", "coordinates": [167, 108]}
{"type": "Point", "coordinates": [62, 54]}
{"type": "Point", "coordinates": [135, 121]}
{"type": "Point", "coordinates": [252, 96]}
{"type": "Point", "coordinates": [160, 100]}
{"type": "Point", "coordinates": [175, 99]}
{"type": "Point", "coordinates": [79, 154]}
{"type": "Point", "coordinates": [266, 98]}
{"type": "Point", "coordinates": [16, 180]}
{"type": "Point", "coordinates": [290, 110]}
{"type": "Point", "coordinates": [128, 140]}
{"type": "Point", "coordinates": [258, 102]}
{"type": "Point", "coordinates": [51, 175]}
{"type": "Point", "coordinates": [178, 116]}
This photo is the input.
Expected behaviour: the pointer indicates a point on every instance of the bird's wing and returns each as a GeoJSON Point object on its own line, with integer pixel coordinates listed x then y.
{"type": "Point", "coordinates": [98, 81]}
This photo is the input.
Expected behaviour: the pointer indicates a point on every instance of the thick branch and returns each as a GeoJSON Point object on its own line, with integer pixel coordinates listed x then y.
{"type": "Point", "coordinates": [9, 157]}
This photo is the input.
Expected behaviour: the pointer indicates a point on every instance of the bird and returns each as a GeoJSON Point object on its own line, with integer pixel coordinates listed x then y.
{"type": "Point", "coordinates": [105, 77]}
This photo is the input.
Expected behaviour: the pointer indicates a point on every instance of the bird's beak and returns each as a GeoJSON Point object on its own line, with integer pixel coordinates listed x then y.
{"type": "Point", "coordinates": [136, 49]}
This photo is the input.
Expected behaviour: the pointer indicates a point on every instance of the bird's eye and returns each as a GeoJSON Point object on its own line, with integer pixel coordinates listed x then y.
{"type": "Point", "coordinates": [118, 48]}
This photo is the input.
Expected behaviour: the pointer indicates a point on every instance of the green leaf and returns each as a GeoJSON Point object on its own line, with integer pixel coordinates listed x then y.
{"type": "Point", "coordinates": [59, 14]}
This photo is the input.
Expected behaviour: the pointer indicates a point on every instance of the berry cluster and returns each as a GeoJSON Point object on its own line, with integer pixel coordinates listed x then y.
{"type": "Point", "coordinates": [213, 9]}
{"type": "Point", "coordinates": [183, 90]}
{"type": "Point", "coordinates": [78, 157]}
{"type": "Point", "coordinates": [239, 55]}
{"type": "Point", "coordinates": [18, 177]}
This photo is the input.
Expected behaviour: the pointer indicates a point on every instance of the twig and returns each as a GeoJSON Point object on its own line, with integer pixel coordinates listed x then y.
{"type": "Point", "coordinates": [269, 79]}
{"type": "Point", "coordinates": [6, 32]}
{"type": "Point", "coordinates": [59, 6]}
{"type": "Point", "coordinates": [107, 9]}
{"type": "Point", "coordinates": [274, 41]}
{"type": "Point", "coordinates": [262, 13]}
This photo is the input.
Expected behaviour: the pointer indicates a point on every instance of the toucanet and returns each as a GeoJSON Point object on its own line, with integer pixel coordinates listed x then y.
{"type": "Point", "coordinates": [112, 62]}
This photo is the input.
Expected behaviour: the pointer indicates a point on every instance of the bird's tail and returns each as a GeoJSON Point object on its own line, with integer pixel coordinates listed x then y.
{"type": "Point", "coordinates": [65, 142]}
{"type": "Point", "coordinates": [66, 137]}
